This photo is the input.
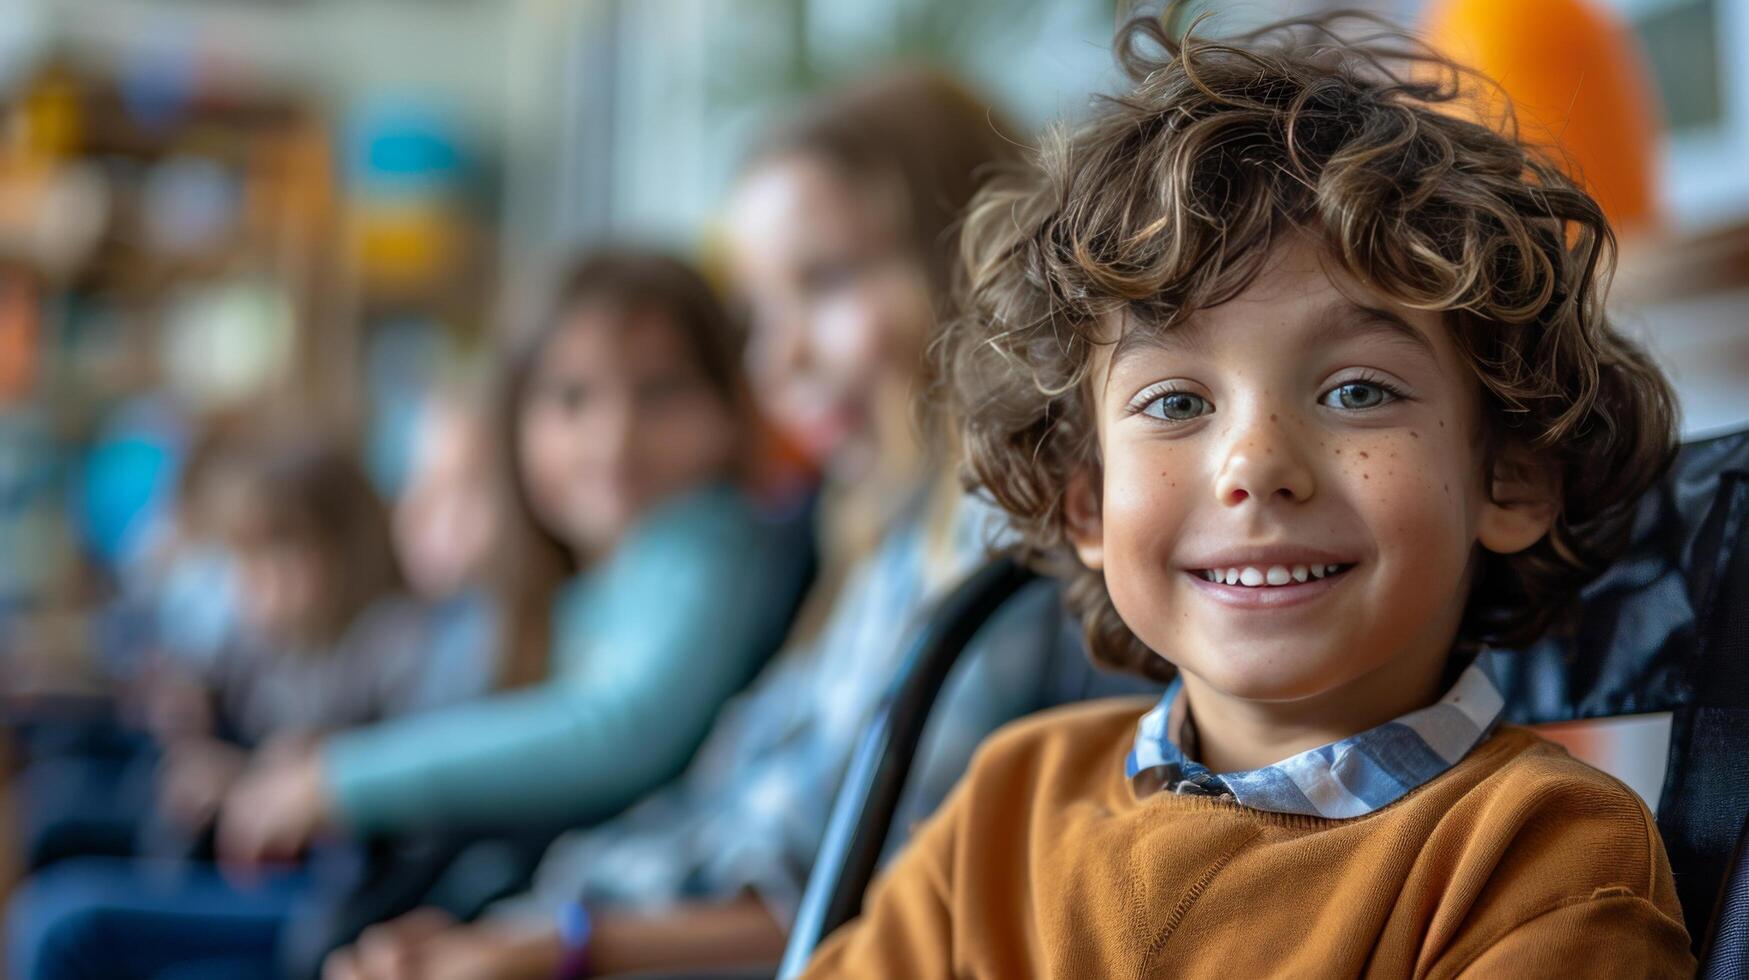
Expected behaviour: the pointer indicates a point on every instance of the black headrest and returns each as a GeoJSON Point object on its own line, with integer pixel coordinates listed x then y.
{"type": "Point", "coordinates": [1645, 624]}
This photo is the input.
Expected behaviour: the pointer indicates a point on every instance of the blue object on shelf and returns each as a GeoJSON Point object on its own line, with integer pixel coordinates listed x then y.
{"type": "Point", "coordinates": [127, 481]}
{"type": "Point", "coordinates": [396, 148]}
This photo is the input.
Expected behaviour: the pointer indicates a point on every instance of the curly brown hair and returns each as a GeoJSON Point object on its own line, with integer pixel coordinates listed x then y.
{"type": "Point", "coordinates": [1171, 200]}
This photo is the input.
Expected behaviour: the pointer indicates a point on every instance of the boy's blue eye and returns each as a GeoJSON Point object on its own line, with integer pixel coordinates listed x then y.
{"type": "Point", "coordinates": [1177, 406]}
{"type": "Point", "coordinates": [1357, 395]}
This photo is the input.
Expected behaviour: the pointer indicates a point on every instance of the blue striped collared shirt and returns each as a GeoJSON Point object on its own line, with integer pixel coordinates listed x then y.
{"type": "Point", "coordinates": [1347, 778]}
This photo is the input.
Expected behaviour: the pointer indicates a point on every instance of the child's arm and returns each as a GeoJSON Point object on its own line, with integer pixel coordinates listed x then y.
{"type": "Point", "coordinates": [677, 632]}
{"type": "Point", "coordinates": [1580, 883]}
{"type": "Point", "coordinates": [695, 935]}
{"type": "Point", "coordinates": [1618, 935]}
{"type": "Point", "coordinates": [675, 638]}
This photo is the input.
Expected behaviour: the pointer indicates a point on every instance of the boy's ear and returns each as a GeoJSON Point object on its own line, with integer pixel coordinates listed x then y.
{"type": "Point", "coordinates": [1082, 521]}
{"type": "Point", "coordinates": [1521, 506]}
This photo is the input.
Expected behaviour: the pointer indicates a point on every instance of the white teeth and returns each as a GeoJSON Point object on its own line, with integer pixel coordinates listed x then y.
{"type": "Point", "coordinates": [1275, 575]}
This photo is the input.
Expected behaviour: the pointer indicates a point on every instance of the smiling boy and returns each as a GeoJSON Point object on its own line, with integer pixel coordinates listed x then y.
{"type": "Point", "coordinates": [1305, 388]}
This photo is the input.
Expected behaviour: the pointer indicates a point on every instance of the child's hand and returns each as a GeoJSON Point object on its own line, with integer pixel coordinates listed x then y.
{"type": "Point", "coordinates": [172, 705]}
{"type": "Point", "coordinates": [194, 777]}
{"type": "Point", "coordinates": [286, 747]}
{"type": "Point", "coordinates": [427, 944]}
{"type": "Point", "coordinates": [274, 809]}
{"type": "Point", "coordinates": [388, 949]}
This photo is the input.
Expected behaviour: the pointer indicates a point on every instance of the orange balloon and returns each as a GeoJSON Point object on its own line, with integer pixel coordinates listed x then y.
{"type": "Point", "coordinates": [1579, 86]}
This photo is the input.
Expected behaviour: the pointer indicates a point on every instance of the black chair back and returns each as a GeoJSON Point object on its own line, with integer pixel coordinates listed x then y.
{"type": "Point", "coordinates": [863, 810]}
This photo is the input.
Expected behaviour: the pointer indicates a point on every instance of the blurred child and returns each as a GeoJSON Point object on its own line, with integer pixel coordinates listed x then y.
{"type": "Point", "coordinates": [323, 634]}
{"type": "Point", "coordinates": [446, 523]}
{"type": "Point", "coordinates": [841, 239]}
{"type": "Point", "coordinates": [89, 783]}
{"type": "Point", "coordinates": [324, 641]}
{"type": "Point", "coordinates": [1307, 388]}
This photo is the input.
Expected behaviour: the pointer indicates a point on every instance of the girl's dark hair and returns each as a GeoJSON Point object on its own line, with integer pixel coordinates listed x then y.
{"type": "Point", "coordinates": [630, 285]}
{"type": "Point", "coordinates": [1172, 199]}
{"type": "Point", "coordinates": [306, 490]}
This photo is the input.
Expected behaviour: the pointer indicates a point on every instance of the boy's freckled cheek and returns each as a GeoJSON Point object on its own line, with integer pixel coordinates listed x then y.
{"type": "Point", "coordinates": [1144, 493]}
{"type": "Point", "coordinates": [1405, 492]}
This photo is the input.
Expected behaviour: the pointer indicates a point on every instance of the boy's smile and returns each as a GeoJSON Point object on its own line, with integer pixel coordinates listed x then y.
{"type": "Point", "coordinates": [1290, 494]}
{"type": "Point", "coordinates": [1267, 578]}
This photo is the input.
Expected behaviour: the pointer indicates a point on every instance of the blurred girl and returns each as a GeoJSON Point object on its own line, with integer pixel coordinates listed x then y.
{"type": "Point", "coordinates": [841, 235]}
{"type": "Point", "coordinates": [664, 590]}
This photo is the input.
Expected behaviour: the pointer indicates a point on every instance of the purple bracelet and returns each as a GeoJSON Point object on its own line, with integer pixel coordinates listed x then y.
{"type": "Point", "coordinates": [575, 930]}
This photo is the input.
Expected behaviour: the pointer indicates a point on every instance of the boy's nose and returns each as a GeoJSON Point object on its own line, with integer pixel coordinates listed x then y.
{"type": "Point", "coordinates": [1263, 464]}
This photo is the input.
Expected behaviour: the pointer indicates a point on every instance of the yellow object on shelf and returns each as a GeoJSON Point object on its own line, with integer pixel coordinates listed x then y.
{"type": "Point", "coordinates": [406, 246]}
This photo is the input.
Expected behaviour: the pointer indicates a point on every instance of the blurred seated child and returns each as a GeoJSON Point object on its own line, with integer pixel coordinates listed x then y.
{"type": "Point", "coordinates": [325, 640]}
{"type": "Point", "coordinates": [222, 636]}
{"type": "Point", "coordinates": [329, 640]}
{"type": "Point", "coordinates": [90, 770]}
{"type": "Point", "coordinates": [841, 235]}
{"type": "Point", "coordinates": [1307, 388]}
{"type": "Point", "coordinates": [446, 522]}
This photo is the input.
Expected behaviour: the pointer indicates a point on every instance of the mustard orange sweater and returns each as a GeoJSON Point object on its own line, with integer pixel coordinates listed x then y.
{"type": "Point", "coordinates": [1518, 862]}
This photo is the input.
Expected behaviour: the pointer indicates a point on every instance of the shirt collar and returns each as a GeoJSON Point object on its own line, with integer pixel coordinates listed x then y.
{"type": "Point", "coordinates": [1347, 778]}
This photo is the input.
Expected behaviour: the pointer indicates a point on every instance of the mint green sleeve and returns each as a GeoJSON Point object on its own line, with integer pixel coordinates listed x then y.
{"type": "Point", "coordinates": [649, 647]}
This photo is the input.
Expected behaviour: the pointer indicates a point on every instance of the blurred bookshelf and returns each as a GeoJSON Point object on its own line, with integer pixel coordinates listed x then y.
{"type": "Point", "coordinates": [182, 234]}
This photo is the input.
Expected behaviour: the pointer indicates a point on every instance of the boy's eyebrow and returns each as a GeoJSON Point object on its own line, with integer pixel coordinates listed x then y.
{"type": "Point", "coordinates": [1345, 319]}
{"type": "Point", "coordinates": [1340, 319]}
{"type": "Point", "coordinates": [1185, 336]}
